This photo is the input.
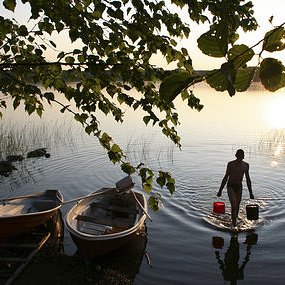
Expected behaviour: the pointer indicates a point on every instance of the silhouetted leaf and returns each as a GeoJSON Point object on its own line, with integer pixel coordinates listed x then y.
{"type": "Point", "coordinates": [128, 168]}
{"type": "Point", "coordinates": [147, 187]}
{"type": "Point", "coordinates": [217, 80]}
{"type": "Point", "coordinates": [210, 44]}
{"type": "Point", "coordinates": [173, 85]}
{"type": "Point", "coordinates": [161, 181]}
{"type": "Point", "coordinates": [271, 74]}
{"type": "Point", "coordinates": [153, 203]}
{"type": "Point", "coordinates": [244, 78]}
{"type": "Point", "coordinates": [239, 55]}
{"type": "Point", "coordinates": [274, 40]}
{"type": "Point", "coordinates": [9, 4]}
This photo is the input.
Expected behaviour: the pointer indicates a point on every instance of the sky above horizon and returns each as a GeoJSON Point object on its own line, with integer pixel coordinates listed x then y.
{"type": "Point", "coordinates": [263, 11]}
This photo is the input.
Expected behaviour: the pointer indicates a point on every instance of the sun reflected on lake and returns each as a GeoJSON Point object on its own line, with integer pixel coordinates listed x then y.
{"type": "Point", "coordinates": [273, 142]}
{"type": "Point", "coordinates": [279, 150]}
{"type": "Point", "coordinates": [276, 111]}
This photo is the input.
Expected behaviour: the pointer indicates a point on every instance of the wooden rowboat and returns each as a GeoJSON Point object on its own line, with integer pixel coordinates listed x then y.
{"type": "Point", "coordinates": [102, 223]}
{"type": "Point", "coordinates": [20, 214]}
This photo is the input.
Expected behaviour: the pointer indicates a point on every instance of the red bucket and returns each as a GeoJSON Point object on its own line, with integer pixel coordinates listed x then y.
{"type": "Point", "coordinates": [219, 207]}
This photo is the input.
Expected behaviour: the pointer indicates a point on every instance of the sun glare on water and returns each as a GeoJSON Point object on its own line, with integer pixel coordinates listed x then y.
{"type": "Point", "coordinates": [276, 112]}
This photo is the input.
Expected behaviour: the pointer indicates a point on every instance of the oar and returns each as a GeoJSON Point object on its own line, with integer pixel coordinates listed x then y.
{"type": "Point", "coordinates": [103, 190]}
{"type": "Point", "coordinates": [141, 206]}
{"type": "Point", "coordinates": [122, 185]}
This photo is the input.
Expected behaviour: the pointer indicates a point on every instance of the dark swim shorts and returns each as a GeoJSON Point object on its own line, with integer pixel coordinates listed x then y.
{"type": "Point", "coordinates": [235, 186]}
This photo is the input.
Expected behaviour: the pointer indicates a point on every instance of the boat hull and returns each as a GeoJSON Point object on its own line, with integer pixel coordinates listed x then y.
{"type": "Point", "coordinates": [93, 249]}
{"type": "Point", "coordinates": [12, 225]}
{"type": "Point", "coordinates": [93, 246]}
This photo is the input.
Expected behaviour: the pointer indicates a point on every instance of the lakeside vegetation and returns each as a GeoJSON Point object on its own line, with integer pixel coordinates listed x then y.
{"type": "Point", "coordinates": [18, 139]}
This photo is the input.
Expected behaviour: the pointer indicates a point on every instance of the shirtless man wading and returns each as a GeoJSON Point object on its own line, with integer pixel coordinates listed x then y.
{"type": "Point", "coordinates": [233, 177]}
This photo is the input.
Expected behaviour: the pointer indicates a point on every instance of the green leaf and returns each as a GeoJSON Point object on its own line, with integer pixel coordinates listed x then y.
{"type": "Point", "coordinates": [211, 44]}
{"type": "Point", "coordinates": [170, 187]}
{"type": "Point", "coordinates": [122, 98]}
{"type": "Point", "coordinates": [244, 78]}
{"type": "Point", "coordinates": [147, 187]}
{"type": "Point", "coordinates": [9, 4]}
{"type": "Point", "coordinates": [23, 31]}
{"type": "Point", "coordinates": [116, 4]}
{"type": "Point", "coordinates": [239, 55]}
{"type": "Point", "coordinates": [49, 96]}
{"type": "Point", "coordinates": [161, 181]}
{"type": "Point", "coordinates": [60, 55]}
{"type": "Point", "coordinates": [222, 80]}
{"type": "Point", "coordinates": [170, 179]}
{"type": "Point", "coordinates": [153, 203]}
{"type": "Point", "coordinates": [217, 80]}
{"type": "Point", "coordinates": [173, 85]}
{"type": "Point", "coordinates": [16, 102]}
{"type": "Point", "coordinates": [81, 118]}
{"type": "Point", "coordinates": [271, 74]}
{"type": "Point", "coordinates": [105, 141]}
{"type": "Point", "coordinates": [115, 148]}
{"type": "Point", "coordinates": [69, 59]}
{"type": "Point", "coordinates": [194, 102]}
{"type": "Point", "coordinates": [39, 111]}
{"type": "Point", "coordinates": [146, 119]}
{"type": "Point", "coordinates": [92, 128]}
{"type": "Point", "coordinates": [46, 26]}
{"type": "Point", "coordinates": [127, 168]}
{"type": "Point", "coordinates": [115, 155]}
{"type": "Point", "coordinates": [274, 40]}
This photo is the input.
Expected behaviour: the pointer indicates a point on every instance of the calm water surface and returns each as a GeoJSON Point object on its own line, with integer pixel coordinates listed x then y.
{"type": "Point", "coordinates": [181, 246]}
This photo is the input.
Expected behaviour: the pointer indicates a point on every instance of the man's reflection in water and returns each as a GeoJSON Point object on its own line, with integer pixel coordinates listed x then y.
{"type": "Point", "coordinates": [230, 267]}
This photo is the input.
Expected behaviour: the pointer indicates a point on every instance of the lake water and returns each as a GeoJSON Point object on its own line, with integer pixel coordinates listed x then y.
{"type": "Point", "coordinates": [182, 248]}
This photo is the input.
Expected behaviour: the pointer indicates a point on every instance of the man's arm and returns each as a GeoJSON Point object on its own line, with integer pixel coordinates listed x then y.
{"type": "Point", "coordinates": [224, 181]}
{"type": "Point", "coordinates": [248, 182]}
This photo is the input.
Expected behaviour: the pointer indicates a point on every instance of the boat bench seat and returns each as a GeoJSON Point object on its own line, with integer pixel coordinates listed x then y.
{"type": "Point", "coordinates": [103, 221]}
{"type": "Point", "coordinates": [114, 208]}
{"type": "Point", "coordinates": [11, 209]}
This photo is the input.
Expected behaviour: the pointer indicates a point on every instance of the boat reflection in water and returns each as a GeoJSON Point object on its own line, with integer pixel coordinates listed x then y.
{"type": "Point", "coordinates": [121, 266]}
{"type": "Point", "coordinates": [55, 226]}
{"type": "Point", "coordinates": [17, 252]}
{"type": "Point", "coordinates": [118, 267]}
{"type": "Point", "coordinates": [230, 265]}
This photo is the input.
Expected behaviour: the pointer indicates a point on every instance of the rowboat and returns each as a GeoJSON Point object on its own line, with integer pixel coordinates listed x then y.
{"type": "Point", "coordinates": [106, 221]}
{"type": "Point", "coordinates": [20, 214]}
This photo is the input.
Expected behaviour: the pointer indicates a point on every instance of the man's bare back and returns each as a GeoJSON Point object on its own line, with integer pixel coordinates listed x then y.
{"type": "Point", "coordinates": [235, 171]}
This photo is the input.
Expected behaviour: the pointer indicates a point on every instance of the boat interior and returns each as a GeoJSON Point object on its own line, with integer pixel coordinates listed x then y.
{"type": "Point", "coordinates": [108, 215]}
{"type": "Point", "coordinates": [18, 207]}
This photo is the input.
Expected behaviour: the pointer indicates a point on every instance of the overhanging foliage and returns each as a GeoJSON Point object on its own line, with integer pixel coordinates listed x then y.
{"type": "Point", "coordinates": [115, 42]}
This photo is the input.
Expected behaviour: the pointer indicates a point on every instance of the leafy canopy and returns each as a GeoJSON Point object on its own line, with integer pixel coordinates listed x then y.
{"type": "Point", "coordinates": [115, 42]}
